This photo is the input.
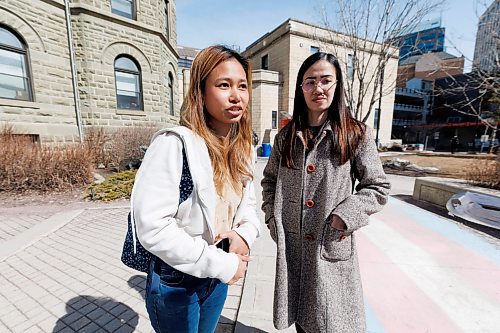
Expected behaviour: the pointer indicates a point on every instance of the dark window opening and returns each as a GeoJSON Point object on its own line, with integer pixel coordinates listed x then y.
{"type": "Point", "coordinates": [264, 63]}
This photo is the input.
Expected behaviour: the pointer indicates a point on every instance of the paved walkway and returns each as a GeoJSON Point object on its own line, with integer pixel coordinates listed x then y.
{"type": "Point", "coordinates": [64, 274]}
{"type": "Point", "coordinates": [60, 271]}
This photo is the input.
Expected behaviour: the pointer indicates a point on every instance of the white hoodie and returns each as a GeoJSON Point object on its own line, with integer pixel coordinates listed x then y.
{"type": "Point", "coordinates": [182, 235]}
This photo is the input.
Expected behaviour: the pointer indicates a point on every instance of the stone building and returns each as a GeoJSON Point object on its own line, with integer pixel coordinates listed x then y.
{"type": "Point", "coordinates": [124, 56]}
{"type": "Point", "coordinates": [279, 54]}
{"type": "Point", "coordinates": [186, 57]}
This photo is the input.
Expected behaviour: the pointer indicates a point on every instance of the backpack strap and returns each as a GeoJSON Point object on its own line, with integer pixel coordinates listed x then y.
{"type": "Point", "coordinates": [186, 185]}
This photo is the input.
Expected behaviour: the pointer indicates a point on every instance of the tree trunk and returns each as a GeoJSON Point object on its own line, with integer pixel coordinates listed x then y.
{"type": "Point", "coordinates": [493, 137]}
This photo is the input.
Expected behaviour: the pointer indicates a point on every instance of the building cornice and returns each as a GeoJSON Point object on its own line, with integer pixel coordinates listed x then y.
{"type": "Point", "coordinates": [55, 3]}
{"type": "Point", "coordinates": [288, 29]}
{"type": "Point", "coordinates": [259, 81]}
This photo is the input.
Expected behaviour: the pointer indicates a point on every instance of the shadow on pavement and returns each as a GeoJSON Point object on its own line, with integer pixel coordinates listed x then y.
{"type": "Point", "coordinates": [444, 213]}
{"type": "Point", "coordinates": [138, 282]}
{"type": "Point", "coordinates": [242, 328]}
{"type": "Point", "coordinates": [95, 314]}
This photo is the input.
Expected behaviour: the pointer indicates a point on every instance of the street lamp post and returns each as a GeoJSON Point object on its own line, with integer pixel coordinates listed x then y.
{"type": "Point", "coordinates": [379, 104]}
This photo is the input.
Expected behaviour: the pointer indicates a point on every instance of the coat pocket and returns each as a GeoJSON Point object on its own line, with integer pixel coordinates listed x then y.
{"type": "Point", "coordinates": [336, 245]}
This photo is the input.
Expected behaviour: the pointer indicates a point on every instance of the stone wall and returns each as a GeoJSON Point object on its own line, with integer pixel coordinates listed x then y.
{"type": "Point", "coordinates": [51, 115]}
{"type": "Point", "coordinates": [99, 37]}
{"type": "Point", "coordinates": [265, 97]}
{"type": "Point", "coordinates": [277, 47]}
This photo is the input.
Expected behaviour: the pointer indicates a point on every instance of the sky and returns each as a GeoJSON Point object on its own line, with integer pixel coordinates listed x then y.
{"type": "Point", "coordinates": [201, 23]}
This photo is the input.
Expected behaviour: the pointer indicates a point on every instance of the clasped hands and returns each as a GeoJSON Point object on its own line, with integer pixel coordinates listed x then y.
{"type": "Point", "coordinates": [240, 247]}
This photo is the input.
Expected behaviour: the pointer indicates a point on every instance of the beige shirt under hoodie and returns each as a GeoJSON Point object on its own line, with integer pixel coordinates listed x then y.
{"type": "Point", "coordinates": [227, 204]}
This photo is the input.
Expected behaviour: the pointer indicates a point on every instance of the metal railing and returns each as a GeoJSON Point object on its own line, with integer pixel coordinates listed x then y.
{"type": "Point", "coordinates": [408, 107]}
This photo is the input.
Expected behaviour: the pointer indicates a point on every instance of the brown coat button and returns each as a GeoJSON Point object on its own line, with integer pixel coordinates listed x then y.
{"type": "Point", "coordinates": [309, 203]}
{"type": "Point", "coordinates": [310, 168]}
{"type": "Point", "coordinates": [308, 237]}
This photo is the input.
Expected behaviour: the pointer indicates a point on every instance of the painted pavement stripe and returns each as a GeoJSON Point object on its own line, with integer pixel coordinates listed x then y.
{"type": "Point", "coordinates": [458, 299]}
{"type": "Point", "coordinates": [33, 234]}
{"type": "Point", "coordinates": [476, 269]}
{"type": "Point", "coordinates": [447, 229]}
{"type": "Point", "coordinates": [373, 324]}
{"type": "Point", "coordinates": [396, 300]}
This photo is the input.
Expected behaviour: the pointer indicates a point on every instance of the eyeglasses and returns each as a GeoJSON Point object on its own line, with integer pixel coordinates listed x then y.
{"type": "Point", "coordinates": [325, 83]}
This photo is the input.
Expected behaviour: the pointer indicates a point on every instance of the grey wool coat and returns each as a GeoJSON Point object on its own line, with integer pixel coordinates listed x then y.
{"type": "Point", "coordinates": [317, 282]}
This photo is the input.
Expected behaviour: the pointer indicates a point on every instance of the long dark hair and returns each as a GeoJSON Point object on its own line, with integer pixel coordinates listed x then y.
{"type": "Point", "coordinates": [347, 131]}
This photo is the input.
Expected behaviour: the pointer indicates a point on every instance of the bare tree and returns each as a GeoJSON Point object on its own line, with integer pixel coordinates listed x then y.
{"type": "Point", "coordinates": [367, 28]}
{"type": "Point", "coordinates": [477, 94]}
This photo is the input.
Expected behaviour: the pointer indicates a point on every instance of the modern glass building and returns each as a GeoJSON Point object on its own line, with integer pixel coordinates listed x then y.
{"type": "Point", "coordinates": [424, 38]}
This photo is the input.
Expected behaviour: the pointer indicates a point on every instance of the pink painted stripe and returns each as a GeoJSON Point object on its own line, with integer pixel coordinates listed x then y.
{"type": "Point", "coordinates": [398, 303]}
{"type": "Point", "coordinates": [476, 270]}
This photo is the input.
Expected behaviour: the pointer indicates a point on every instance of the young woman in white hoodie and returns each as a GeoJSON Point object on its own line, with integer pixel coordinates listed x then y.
{"type": "Point", "coordinates": [182, 224]}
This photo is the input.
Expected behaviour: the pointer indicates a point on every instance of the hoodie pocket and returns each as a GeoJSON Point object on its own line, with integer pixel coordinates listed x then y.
{"type": "Point", "coordinates": [336, 245]}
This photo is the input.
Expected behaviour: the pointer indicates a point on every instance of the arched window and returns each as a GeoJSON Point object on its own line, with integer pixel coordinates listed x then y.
{"type": "Point", "coordinates": [171, 93]}
{"type": "Point", "coordinates": [15, 81]}
{"type": "Point", "coordinates": [125, 8]}
{"type": "Point", "coordinates": [128, 83]}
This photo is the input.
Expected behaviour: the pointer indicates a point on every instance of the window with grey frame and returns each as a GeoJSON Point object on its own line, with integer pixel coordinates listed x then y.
{"type": "Point", "coordinates": [128, 83]}
{"type": "Point", "coordinates": [274, 119]}
{"type": "Point", "coordinates": [15, 79]}
{"type": "Point", "coordinates": [125, 8]}
{"type": "Point", "coordinates": [350, 66]}
{"type": "Point", "coordinates": [171, 94]}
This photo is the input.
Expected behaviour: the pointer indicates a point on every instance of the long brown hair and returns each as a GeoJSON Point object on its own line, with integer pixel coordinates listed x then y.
{"type": "Point", "coordinates": [230, 157]}
{"type": "Point", "coordinates": [347, 131]}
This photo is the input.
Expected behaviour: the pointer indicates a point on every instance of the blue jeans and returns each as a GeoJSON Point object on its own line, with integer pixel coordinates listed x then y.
{"type": "Point", "coordinates": [181, 303]}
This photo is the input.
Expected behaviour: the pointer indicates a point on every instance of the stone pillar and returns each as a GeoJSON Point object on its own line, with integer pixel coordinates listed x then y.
{"type": "Point", "coordinates": [265, 93]}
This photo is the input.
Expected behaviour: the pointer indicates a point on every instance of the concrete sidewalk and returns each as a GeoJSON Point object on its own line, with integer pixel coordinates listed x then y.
{"type": "Point", "coordinates": [421, 272]}
{"type": "Point", "coordinates": [61, 272]}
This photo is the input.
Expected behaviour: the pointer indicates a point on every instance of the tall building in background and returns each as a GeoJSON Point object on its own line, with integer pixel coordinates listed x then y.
{"type": "Point", "coordinates": [486, 52]}
{"type": "Point", "coordinates": [429, 66]}
{"type": "Point", "coordinates": [424, 38]}
{"type": "Point", "coordinates": [124, 56]}
{"type": "Point", "coordinates": [414, 91]}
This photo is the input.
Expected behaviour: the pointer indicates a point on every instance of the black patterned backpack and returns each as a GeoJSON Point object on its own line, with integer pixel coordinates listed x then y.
{"type": "Point", "coordinates": [140, 258]}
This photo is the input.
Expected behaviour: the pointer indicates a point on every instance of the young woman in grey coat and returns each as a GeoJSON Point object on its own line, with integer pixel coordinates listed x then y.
{"type": "Point", "coordinates": [311, 210]}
